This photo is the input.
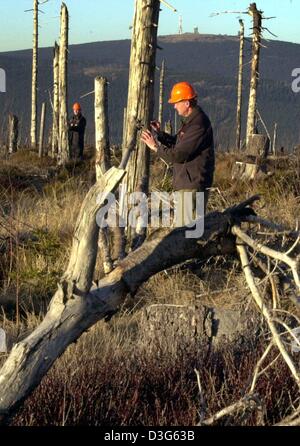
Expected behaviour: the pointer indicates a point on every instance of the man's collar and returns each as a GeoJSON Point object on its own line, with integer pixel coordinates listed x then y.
{"type": "Point", "coordinates": [188, 119]}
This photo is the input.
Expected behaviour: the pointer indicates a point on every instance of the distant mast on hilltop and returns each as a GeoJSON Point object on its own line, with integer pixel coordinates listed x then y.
{"type": "Point", "coordinates": [180, 25]}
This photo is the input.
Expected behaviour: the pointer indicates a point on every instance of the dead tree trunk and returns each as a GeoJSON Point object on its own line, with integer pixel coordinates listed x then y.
{"type": "Point", "coordinates": [13, 133]}
{"type": "Point", "coordinates": [42, 130]}
{"type": "Point", "coordinates": [240, 88]}
{"type": "Point", "coordinates": [33, 131]}
{"type": "Point", "coordinates": [161, 93]}
{"type": "Point", "coordinates": [256, 43]}
{"type": "Point", "coordinates": [274, 151]}
{"type": "Point", "coordinates": [55, 104]}
{"type": "Point", "coordinates": [101, 126]}
{"type": "Point", "coordinates": [140, 103]}
{"type": "Point", "coordinates": [63, 144]}
{"type": "Point", "coordinates": [102, 162]}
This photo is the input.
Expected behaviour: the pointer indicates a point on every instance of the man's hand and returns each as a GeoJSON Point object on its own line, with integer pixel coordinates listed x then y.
{"type": "Point", "coordinates": [155, 125]}
{"type": "Point", "coordinates": [148, 139]}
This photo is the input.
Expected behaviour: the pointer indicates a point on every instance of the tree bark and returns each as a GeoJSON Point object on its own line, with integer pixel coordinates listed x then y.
{"type": "Point", "coordinates": [256, 43]}
{"type": "Point", "coordinates": [240, 88]}
{"type": "Point", "coordinates": [63, 147]}
{"type": "Point", "coordinates": [101, 127]}
{"type": "Point", "coordinates": [102, 162]}
{"type": "Point", "coordinates": [140, 104]}
{"type": "Point", "coordinates": [33, 132]}
{"type": "Point", "coordinates": [42, 130]}
{"type": "Point", "coordinates": [161, 93]}
{"type": "Point", "coordinates": [13, 133]}
{"type": "Point", "coordinates": [55, 105]}
{"type": "Point", "coordinates": [274, 151]}
{"type": "Point", "coordinates": [258, 146]}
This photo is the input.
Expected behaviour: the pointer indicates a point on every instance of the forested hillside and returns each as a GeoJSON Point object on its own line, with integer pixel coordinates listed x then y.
{"type": "Point", "coordinates": [209, 61]}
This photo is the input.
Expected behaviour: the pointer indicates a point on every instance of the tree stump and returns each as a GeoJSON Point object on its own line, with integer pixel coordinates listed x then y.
{"type": "Point", "coordinates": [167, 327]}
{"type": "Point", "coordinates": [244, 171]}
{"type": "Point", "coordinates": [254, 166]}
{"type": "Point", "coordinates": [258, 146]}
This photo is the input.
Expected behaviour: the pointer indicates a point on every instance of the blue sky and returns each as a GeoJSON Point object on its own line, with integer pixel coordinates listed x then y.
{"type": "Point", "coordinates": [96, 20]}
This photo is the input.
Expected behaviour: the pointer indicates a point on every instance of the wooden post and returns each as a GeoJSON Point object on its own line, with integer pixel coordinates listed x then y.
{"type": "Point", "coordinates": [240, 87]}
{"type": "Point", "coordinates": [256, 42]}
{"type": "Point", "coordinates": [42, 130]}
{"type": "Point", "coordinates": [274, 151]}
{"type": "Point", "coordinates": [102, 161]}
{"type": "Point", "coordinates": [63, 142]}
{"type": "Point", "coordinates": [140, 104]}
{"type": "Point", "coordinates": [33, 132]}
{"type": "Point", "coordinates": [161, 92]}
{"type": "Point", "coordinates": [13, 133]}
{"type": "Point", "coordinates": [55, 104]}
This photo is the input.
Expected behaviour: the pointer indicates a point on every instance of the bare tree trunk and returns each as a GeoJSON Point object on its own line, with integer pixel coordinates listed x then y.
{"type": "Point", "coordinates": [161, 93]}
{"type": "Point", "coordinates": [55, 105]}
{"type": "Point", "coordinates": [33, 131]}
{"type": "Point", "coordinates": [63, 144]}
{"type": "Point", "coordinates": [256, 42]}
{"type": "Point", "coordinates": [101, 127]}
{"type": "Point", "coordinates": [42, 131]}
{"type": "Point", "coordinates": [102, 162]}
{"type": "Point", "coordinates": [274, 151]}
{"type": "Point", "coordinates": [118, 246]}
{"type": "Point", "coordinates": [140, 103]}
{"type": "Point", "coordinates": [13, 133]}
{"type": "Point", "coordinates": [240, 88]}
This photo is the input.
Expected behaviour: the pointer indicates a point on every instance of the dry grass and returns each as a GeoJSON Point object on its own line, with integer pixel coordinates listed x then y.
{"type": "Point", "coordinates": [110, 377]}
{"type": "Point", "coordinates": [89, 385]}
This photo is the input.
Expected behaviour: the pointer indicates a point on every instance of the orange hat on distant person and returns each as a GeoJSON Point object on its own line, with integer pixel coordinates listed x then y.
{"type": "Point", "coordinates": [183, 91]}
{"type": "Point", "coordinates": [76, 106]}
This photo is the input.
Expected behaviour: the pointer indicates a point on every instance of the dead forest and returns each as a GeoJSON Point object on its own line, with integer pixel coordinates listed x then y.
{"type": "Point", "coordinates": [134, 326]}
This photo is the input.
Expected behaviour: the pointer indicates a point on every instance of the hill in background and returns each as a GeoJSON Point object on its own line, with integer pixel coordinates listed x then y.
{"type": "Point", "coordinates": [209, 61]}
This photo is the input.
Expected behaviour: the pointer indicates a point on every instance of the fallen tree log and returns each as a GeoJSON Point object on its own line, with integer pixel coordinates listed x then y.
{"type": "Point", "coordinates": [78, 304]}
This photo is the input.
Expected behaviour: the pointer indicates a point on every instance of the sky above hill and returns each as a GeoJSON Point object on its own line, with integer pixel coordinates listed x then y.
{"type": "Point", "coordinates": [98, 20]}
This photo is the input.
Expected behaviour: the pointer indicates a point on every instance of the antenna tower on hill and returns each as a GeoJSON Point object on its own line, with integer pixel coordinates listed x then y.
{"type": "Point", "coordinates": [180, 25]}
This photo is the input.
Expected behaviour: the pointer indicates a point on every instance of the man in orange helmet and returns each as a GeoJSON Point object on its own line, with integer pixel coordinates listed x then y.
{"type": "Point", "coordinates": [191, 150]}
{"type": "Point", "coordinates": [77, 126]}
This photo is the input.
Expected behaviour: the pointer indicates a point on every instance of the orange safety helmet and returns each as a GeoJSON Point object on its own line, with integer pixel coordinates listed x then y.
{"type": "Point", "coordinates": [76, 106]}
{"type": "Point", "coordinates": [182, 91]}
